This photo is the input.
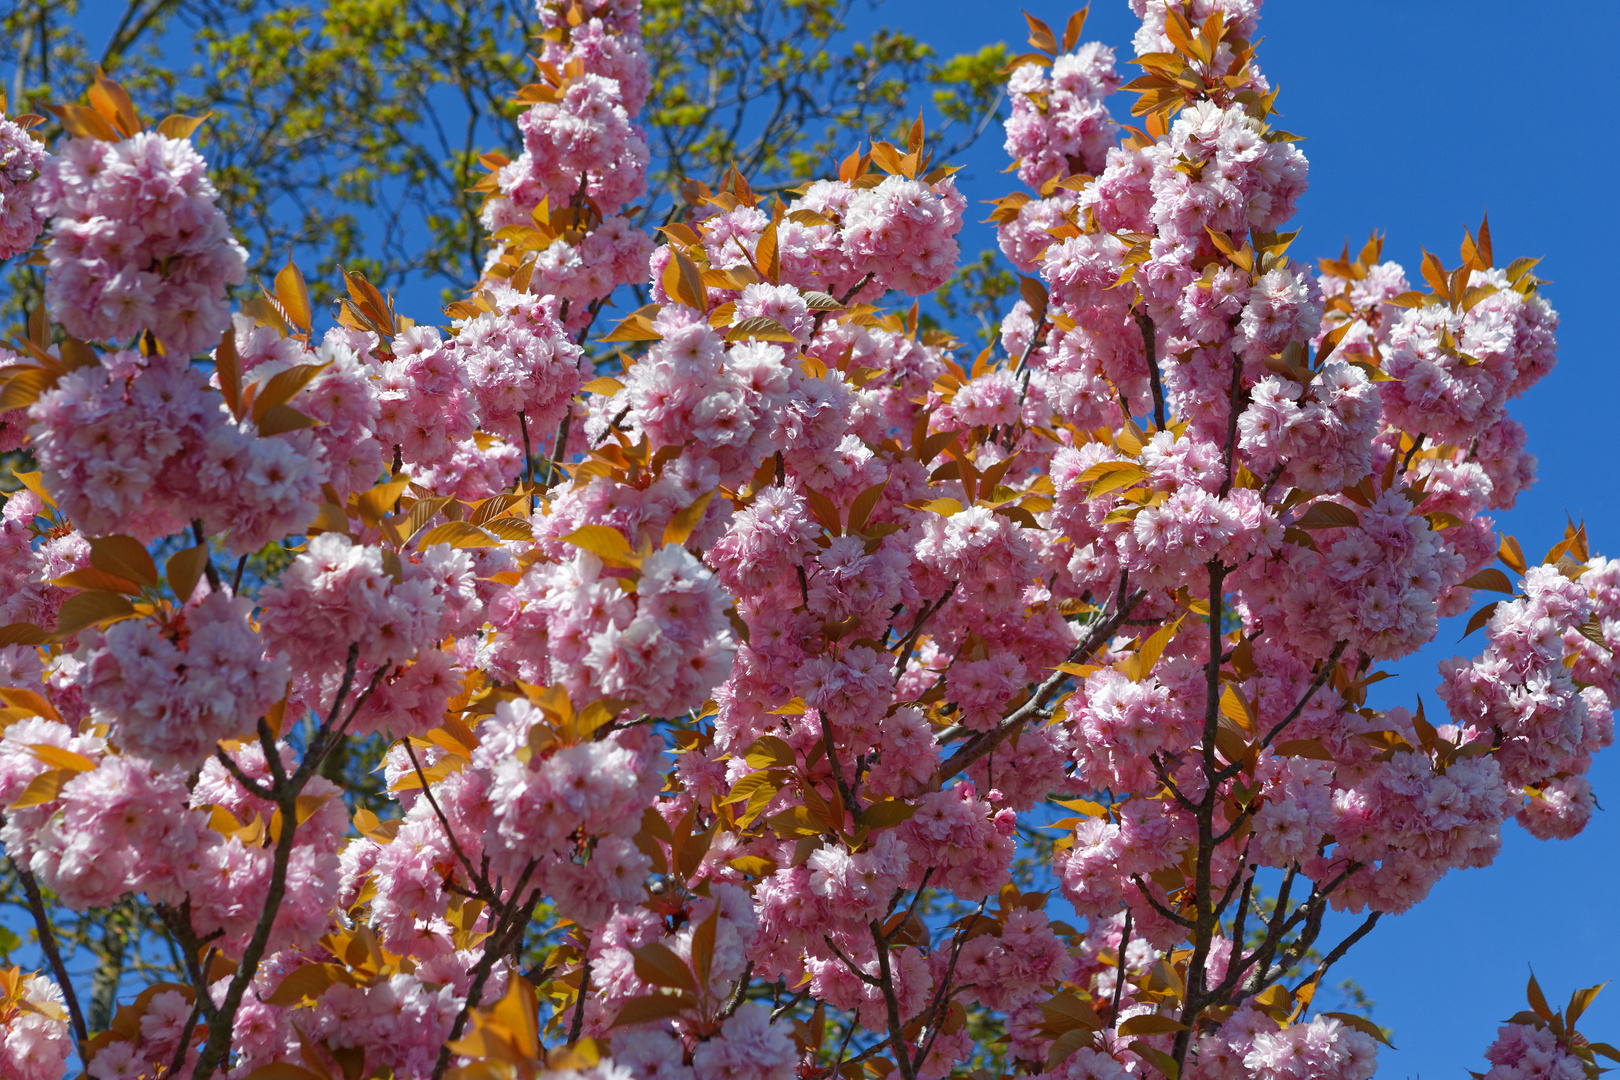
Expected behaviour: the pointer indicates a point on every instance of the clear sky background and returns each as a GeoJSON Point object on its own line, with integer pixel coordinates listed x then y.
{"type": "Point", "coordinates": [1419, 114]}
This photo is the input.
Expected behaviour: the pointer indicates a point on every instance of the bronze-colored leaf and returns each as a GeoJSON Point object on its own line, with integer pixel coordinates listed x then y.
{"type": "Point", "coordinates": [89, 577]}
{"type": "Point", "coordinates": [761, 327]}
{"type": "Point", "coordinates": [653, 1008]}
{"type": "Point", "coordinates": [90, 608]}
{"type": "Point", "coordinates": [125, 557]}
{"type": "Point", "coordinates": [22, 633]}
{"type": "Point", "coordinates": [282, 387]}
{"type": "Point", "coordinates": [1492, 579]}
{"type": "Point", "coordinates": [1328, 515]}
{"type": "Point", "coordinates": [294, 295]}
{"type": "Point", "coordinates": [42, 788]}
{"type": "Point", "coordinates": [176, 126]}
{"type": "Point", "coordinates": [458, 534]}
{"type": "Point", "coordinates": [184, 569]}
{"type": "Point", "coordinates": [280, 419]}
{"type": "Point", "coordinates": [658, 965]}
{"type": "Point", "coordinates": [1481, 617]}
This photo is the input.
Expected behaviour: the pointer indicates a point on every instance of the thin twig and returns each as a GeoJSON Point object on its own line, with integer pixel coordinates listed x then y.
{"type": "Point", "coordinates": [891, 1003]}
{"type": "Point", "coordinates": [1119, 979]}
{"type": "Point", "coordinates": [188, 1033]}
{"type": "Point", "coordinates": [853, 969]}
{"type": "Point", "coordinates": [1151, 348]}
{"type": "Point", "coordinates": [1343, 947]}
{"type": "Point", "coordinates": [53, 955]}
{"type": "Point", "coordinates": [737, 995]}
{"type": "Point", "coordinates": [517, 917]}
{"type": "Point", "coordinates": [455, 845]}
{"type": "Point", "coordinates": [850, 805]}
{"type": "Point", "coordinates": [1147, 894]}
{"type": "Point", "coordinates": [577, 1025]}
{"type": "Point", "coordinates": [909, 642]}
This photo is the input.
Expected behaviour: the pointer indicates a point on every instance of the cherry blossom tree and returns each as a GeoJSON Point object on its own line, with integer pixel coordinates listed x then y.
{"type": "Point", "coordinates": [729, 668]}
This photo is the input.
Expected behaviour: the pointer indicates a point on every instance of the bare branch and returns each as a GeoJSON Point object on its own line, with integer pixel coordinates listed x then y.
{"type": "Point", "coordinates": [53, 955]}
{"type": "Point", "coordinates": [897, 1037]}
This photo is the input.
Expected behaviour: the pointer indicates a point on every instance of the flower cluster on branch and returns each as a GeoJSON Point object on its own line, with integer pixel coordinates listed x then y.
{"type": "Point", "coordinates": [723, 681]}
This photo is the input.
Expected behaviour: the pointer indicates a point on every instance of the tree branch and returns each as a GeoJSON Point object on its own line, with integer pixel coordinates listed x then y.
{"type": "Point", "coordinates": [1151, 349]}
{"type": "Point", "coordinates": [984, 742]}
{"type": "Point", "coordinates": [891, 1003]}
{"type": "Point", "coordinates": [53, 955]}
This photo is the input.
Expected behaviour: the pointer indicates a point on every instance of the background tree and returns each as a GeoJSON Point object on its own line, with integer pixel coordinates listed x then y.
{"type": "Point", "coordinates": [350, 133]}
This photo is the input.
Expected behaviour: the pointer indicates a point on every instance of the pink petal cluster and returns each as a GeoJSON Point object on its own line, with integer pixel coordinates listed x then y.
{"type": "Point", "coordinates": [1059, 125]}
{"type": "Point", "coordinates": [142, 446]}
{"type": "Point", "coordinates": [1531, 1052]}
{"type": "Point", "coordinates": [582, 148]}
{"type": "Point", "coordinates": [137, 243]}
{"type": "Point", "coordinates": [900, 230]}
{"type": "Point", "coordinates": [339, 595]}
{"type": "Point", "coordinates": [517, 360]}
{"type": "Point", "coordinates": [22, 159]}
{"type": "Point", "coordinates": [450, 409]}
{"type": "Point", "coordinates": [34, 1041]}
{"type": "Point", "coordinates": [1251, 1046]}
{"type": "Point", "coordinates": [169, 694]}
{"type": "Point", "coordinates": [30, 558]}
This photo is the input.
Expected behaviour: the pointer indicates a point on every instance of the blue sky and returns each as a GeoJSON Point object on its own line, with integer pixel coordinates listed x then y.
{"type": "Point", "coordinates": [1420, 114]}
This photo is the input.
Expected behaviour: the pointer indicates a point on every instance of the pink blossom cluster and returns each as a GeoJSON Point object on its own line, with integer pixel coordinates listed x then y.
{"type": "Point", "coordinates": [1216, 170]}
{"type": "Point", "coordinates": [1503, 345]}
{"type": "Point", "coordinates": [157, 1035]}
{"type": "Point", "coordinates": [1059, 125]}
{"type": "Point", "coordinates": [137, 242]}
{"type": "Point", "coordinates": [104, 832]}
{"type": "Point", "coordinates": [582, 152]}
{"type": "Point", "coordinates": [1520, 691]}
{"type": "Point", "coordinates": [1243, 15]}
{"type": "Point", "coordinates": [1531, 1052]}
{"type": "Point", "coordinates": [518, 362]}
{"type": "Point", "coordinates": [1252, 1046]}
{"type": "Point", "coordinates": [31, 558]}
{"type": "Point", "coordinates": [232, 871]}
{"type": "Point", "coordinates": [450, 408]}
{"type": "Point", "coordinates": [730, 401]}
{"type": "Point", "coordinates": [34, 1041]}
{"type": "Point", "coordinates": [1059, 128]}
{"type": "Point", "coordinates": [339, 595]}
{"type": "Point", "coordinates": [22, 159]}
{"type": "Point", "coordinates": [585, 140]}
{"type": "Point", "coordinates": [612, 254]}
{"type": "Point", "coordinates": [542, 804]}
{"type": "Point", "coordinates": [397, 1023]}
{"type": "Point", "coordinates": [1319, 436]}
{"type": "Point", "coordinates": [342, 397]}
{"type": "Point", "coordinates": [901, 231]}
{"type": "Point", "coordinates": [662, 648]}
{"type": "Point", "coordinates": [142, 446]}
{"type": "Point", "coordinates": [170, 694]}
